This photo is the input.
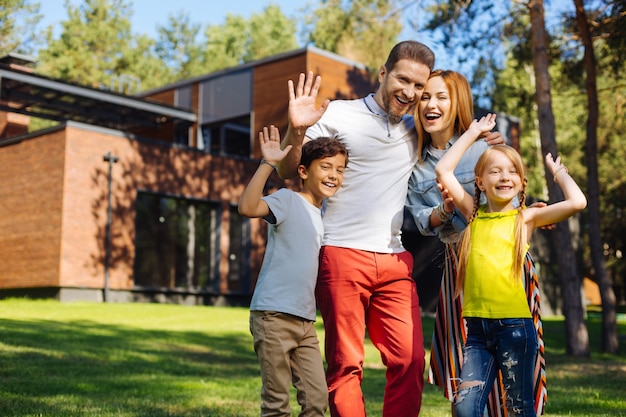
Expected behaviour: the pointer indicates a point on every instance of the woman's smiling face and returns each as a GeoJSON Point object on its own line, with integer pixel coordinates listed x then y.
{"type": "Point", "coordinates": [435, 106]}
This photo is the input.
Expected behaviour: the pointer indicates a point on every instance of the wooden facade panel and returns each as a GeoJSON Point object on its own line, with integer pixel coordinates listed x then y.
{"type": "Point", "coordinates": [165, 97]}
{"type": "Point", "coordinates": [195, 106]}
{"type": "Point", "coordinates": [340, 80]}
{"type": "Point", "coordinates": [13, 124]}
{"type": "Point", "coordinates": [271, 94]}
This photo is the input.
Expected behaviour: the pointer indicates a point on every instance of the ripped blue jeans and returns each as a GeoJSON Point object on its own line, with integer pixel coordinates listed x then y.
{"type": "Point", "coordinates": [509, 345]}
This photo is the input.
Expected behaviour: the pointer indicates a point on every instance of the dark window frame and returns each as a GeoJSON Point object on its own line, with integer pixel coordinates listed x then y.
{"type": "Point", "coordinates": [229, 138]}
{"type": "Point", "coordinates": [238, 253]}
{"type": "Point", "coordinates": [161, 251]}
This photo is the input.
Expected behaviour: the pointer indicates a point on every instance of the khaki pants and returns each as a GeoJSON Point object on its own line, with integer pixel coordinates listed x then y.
{"type": "Point", "coordinates": [288, 352]}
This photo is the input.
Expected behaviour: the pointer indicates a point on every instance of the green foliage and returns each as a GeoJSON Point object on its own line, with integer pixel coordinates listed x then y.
{"type": "Point", "coordinates": [472, 33]}
{"type": "Point", "coordinates": [226, 44]}
{"type": "Point", "coordinates": [90, 48]}
{"type": "Point", "coordinates": [96, 48]}
{"type": "Point", "coordinates": [239, 40]}
{"type": "Point", "coordinates": [18, 19]}
{"type": "Point", "coordinates": [445, 13]}
{"type": "Point", "coordinates": [611, 90]}
{"type": "Point", "coordinates": [155, 360]}
{"type": "Point", "coordinates": [612, 162]}
{"type": "Point", "coordinates": [363, 30]}
{"type": "Point", "coordinates": [178, 47]}
{"type": "Point", "coordinates": [610, 25]}
{"type": "Point", "coordinates": [141, 61]}
{"type": "Point", "coordinates": [271, 33]}
{"type": "Point", "coordinates": [328, 24]}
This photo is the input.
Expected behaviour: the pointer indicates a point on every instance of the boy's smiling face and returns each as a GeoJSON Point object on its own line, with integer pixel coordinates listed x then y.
{"type": "Point", "coordinates": [323, 177]}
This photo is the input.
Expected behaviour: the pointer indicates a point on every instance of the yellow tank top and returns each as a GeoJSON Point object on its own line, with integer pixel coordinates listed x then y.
{"type": "Point", "coordinates": [489, 291]}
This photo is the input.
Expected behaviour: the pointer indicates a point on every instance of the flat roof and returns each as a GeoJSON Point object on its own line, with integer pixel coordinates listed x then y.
{"type": "Point", "coordinates": [253, 64]}
{"type": "Point", "coordinates": [38, 96]}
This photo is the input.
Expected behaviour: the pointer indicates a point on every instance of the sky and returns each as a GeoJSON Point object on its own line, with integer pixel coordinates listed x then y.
{"type": "Point", "coordinates": [147, 14]}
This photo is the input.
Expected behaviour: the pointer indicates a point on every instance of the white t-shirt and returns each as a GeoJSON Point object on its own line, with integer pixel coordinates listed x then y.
{"type": "Point", "coordinates": [367, 211]}
{"type": "Point", "coordinates": [286, 282]}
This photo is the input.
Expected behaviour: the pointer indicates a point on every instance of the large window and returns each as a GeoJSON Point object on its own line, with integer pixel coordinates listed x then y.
{"type": "Point", "coordinates": [176, 244]}
{"type": "Point", "coordinates": [228, 138]}
{"type": "Point", "coordinates": [239, 253]}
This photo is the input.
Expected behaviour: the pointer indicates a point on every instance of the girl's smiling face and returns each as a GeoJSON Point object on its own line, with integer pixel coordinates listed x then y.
{"type": "Point", "coordinates": [500, 181]}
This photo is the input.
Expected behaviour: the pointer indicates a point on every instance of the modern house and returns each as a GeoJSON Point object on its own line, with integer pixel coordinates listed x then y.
{"type": "Point", "coordinates": [134, 198]}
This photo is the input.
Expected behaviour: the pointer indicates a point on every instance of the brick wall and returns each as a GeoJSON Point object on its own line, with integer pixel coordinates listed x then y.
{"type": "Point", "coordinates": [53, 204]}
{"type": "Point", "coordinates": [31, 195]}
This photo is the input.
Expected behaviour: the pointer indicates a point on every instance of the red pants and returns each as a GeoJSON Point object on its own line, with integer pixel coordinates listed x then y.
{"type": "Point", "coordinates": [358, 289]}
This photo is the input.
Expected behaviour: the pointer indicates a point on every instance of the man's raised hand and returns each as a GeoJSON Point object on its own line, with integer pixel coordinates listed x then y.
{"type": "Point", "coordinates": [302, 110]}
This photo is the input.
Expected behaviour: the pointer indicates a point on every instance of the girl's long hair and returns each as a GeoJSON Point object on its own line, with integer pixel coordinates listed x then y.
{"type": "Point", "coordinates": [519, 249]}
{"type": "Point", "coordinates": [461, 106]}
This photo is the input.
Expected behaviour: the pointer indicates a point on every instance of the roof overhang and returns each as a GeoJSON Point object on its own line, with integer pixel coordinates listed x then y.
{"type": "Point", "coordinates": [47, 98]}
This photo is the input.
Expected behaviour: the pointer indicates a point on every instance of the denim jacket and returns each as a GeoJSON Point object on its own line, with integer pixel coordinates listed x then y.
{"type": "Point", "coordinates": [423, 195]}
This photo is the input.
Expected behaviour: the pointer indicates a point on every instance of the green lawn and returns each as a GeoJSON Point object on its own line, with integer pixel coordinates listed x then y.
{"type": "Point", "coordinates": [153, 360]}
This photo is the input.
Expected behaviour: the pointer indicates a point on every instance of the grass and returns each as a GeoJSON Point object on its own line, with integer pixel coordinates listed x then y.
{"type": "Point", "coordinates": [153, 360]}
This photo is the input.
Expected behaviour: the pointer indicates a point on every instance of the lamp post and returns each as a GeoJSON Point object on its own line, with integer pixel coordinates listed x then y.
{"type": "Point", "coordinates": [111, 159]}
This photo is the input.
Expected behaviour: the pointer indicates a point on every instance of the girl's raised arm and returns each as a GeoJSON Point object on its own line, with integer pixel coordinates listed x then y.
{"type": "Point", "coordinates": [446, 165]}
{"type": "Point", "coordinates": [574, 201]}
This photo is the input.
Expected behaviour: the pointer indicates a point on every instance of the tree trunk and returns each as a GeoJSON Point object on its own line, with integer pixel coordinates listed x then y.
{"type": "Point", "coordinates": [607, 295]}
{"type": "Point", "coordinates": [577, 337]}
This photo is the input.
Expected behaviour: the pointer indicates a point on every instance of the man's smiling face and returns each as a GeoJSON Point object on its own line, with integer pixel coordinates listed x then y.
{"type": "Point", "coordinates": [401, 87]}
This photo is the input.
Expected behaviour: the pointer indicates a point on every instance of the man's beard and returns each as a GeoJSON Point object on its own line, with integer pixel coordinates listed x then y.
{"type": "Point", "coordinates": [391, 115]}
{"type": "Point", "coordinates": [394, 118]}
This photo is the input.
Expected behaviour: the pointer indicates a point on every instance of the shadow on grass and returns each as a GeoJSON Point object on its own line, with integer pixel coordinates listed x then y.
{"type": "Point", "coordinates": [102, 368]}
{"type": "Point", "coordinates": [75, 367]}
{"type": "Point", "coordinates": [591, 386]}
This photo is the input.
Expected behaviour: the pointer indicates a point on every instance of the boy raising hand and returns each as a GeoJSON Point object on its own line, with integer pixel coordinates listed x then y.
{"type": "Point", "coordinates": [283, 309]}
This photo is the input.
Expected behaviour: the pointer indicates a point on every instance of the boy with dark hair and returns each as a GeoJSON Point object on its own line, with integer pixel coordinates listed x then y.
{"type": "Point", "coordinates": [283, 309]}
